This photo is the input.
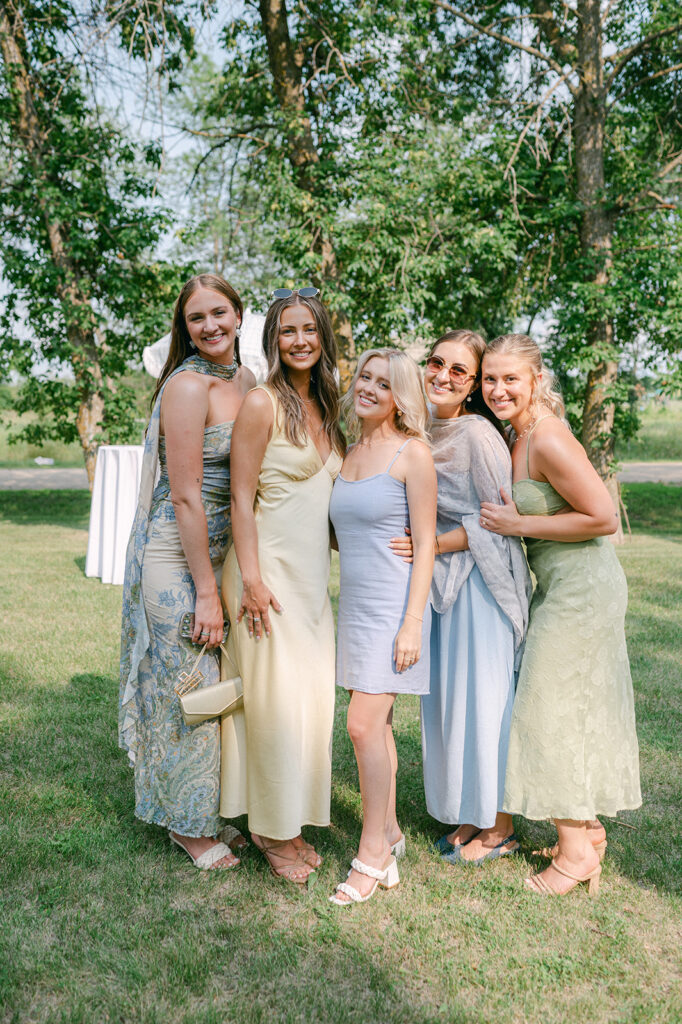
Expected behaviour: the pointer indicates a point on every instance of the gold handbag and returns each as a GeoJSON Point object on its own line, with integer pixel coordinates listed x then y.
{"type": "Point", "coordinates": [199, 703]}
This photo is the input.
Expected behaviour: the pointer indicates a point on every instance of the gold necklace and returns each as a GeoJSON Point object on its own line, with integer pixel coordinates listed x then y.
{"type": "Point", "coordinates": [531, 423]}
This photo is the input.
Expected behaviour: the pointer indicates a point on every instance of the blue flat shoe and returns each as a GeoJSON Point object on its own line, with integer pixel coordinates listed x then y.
{"type": "Point", "coordinates": [456, 856]}
{"type": "Point", "coordinates": [443, 846]}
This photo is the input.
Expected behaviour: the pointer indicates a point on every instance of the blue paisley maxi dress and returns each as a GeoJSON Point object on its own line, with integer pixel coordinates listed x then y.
{"type": "Point", "coordinates": [177, 767]}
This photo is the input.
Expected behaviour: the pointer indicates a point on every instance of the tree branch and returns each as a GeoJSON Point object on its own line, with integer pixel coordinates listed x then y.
{"type": "Point", "coordinates": [550, 30]}
{"type": "Point", "coordinates": [643, 81]}
{"type": "Point", "coordinates": [622, 58]}
{"type": "Point", "coordinates": [535, 116]}
{"type": "Point", "coordinates": [507, 40]}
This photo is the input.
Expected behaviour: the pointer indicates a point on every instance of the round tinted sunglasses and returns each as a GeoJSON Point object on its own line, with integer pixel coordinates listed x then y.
{"type": "Point", "coordinates": [304, 293]}
{"type": "Point", "coordinates": [458, 374]}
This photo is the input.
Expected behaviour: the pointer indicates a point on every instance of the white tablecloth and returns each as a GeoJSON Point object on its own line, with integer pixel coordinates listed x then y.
{"type": "Point", "coordinates": [114, 500]}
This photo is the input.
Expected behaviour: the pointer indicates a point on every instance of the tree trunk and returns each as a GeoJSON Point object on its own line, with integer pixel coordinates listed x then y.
{"type": "Point", "coordinates": [596, 242]}
{"type": "Point", "coordinates": [32, 138]}
{"type": "Point", "coordinates": [285, 66]}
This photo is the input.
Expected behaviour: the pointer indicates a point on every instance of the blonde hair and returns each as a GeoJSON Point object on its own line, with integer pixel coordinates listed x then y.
{"type": "Point", "coordinates": [411, 415]}
{"type": "Point", "coordinates": [545, 391]}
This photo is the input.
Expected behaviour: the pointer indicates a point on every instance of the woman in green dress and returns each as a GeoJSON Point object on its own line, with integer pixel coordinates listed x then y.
{"type": "Point", "coordinates": [573, 747]}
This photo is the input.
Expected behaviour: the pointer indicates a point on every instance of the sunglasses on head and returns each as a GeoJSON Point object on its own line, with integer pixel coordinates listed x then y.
{"type": "Point", "coordinates": [458, 374]}
{"type": "Point", "coordinates": [304, 293]}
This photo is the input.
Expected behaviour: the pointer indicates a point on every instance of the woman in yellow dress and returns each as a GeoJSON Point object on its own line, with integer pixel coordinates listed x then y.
{"type": "Point", "coordinates": [287, 449]}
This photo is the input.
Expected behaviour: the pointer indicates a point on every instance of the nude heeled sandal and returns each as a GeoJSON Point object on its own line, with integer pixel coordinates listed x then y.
{"type": "Point", "coordinates": [386, 877]}
{"type": "Point", "coordinates": [552, 851]}
{"type": "Point", "coordinates": [537, 884]}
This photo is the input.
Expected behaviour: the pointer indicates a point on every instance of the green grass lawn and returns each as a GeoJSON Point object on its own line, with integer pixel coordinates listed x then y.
{"type": "Point", "coordinates": [101, 920]}
{"type": "Point", "coordinates": [660, 436]}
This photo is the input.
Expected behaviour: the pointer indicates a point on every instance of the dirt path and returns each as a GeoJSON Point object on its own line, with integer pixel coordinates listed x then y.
{"type": "Point", "coordinates": [41, 478]}
{"type": "Point", "coordinates": [651, 473]}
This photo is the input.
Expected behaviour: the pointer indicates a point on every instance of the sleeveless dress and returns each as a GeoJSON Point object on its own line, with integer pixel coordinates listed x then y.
{"type": "Point", "coordinates": [573, 750]}
{"type": "Point", "coordinates": [177, 767]}
{"type": "Point", "coordinates": [479, 618]}
{"type": "Point", "coordinates": [374, 586]}
{"type": "Point", "coordinates": [277, 760]}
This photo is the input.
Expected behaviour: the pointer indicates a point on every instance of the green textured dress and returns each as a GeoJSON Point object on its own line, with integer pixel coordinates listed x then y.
{"type": "Point", "coordinates": [573, 749]}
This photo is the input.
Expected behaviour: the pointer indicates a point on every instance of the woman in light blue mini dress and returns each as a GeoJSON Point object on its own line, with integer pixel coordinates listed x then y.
{"type": "Point", "coordinates": [387, 482]}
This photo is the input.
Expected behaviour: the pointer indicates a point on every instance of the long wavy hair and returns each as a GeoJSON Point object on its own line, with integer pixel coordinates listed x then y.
{"type": "Point", "coordinates": [411, 415]}
{"type": "Point", "coordinates": [524, 348]}
{"type": "Point", "coordinates": [323, 386]}
{"type": "Point", "coordinates": [180, 345]}
{"type": "Point", "coordinates": [476, 344]}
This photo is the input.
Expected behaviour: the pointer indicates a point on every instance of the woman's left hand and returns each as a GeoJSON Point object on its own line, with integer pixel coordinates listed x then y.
{"type": "Point", "coordinates": [502, 519]}
{"type": "Point", "coordinates": [408, 644]}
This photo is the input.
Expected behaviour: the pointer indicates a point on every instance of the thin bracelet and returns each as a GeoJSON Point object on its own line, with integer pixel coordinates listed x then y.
{"type": "Point", "coordinates": [414, 616]}
{"type": "Point", "coordinates": [438, 550]}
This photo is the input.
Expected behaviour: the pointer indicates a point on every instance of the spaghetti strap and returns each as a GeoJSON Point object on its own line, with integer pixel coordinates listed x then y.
{"type": "Point", "coordinates": [530, 434]}
{"type": "Point", "coordinates": [388, 467]}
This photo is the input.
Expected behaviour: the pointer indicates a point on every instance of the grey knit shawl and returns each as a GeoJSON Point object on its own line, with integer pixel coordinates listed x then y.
{"type": "Point", "coordinates": [473, 463]}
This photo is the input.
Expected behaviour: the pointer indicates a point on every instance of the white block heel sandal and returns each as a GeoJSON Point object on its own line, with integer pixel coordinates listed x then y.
{"type": "Point", "coordinates": [386, 877]}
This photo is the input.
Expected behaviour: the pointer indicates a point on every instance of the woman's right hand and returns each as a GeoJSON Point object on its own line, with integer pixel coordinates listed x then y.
{"type": "Point", "coordinates": [255, 607]}
{"type": "Point", "coordinates": [208, 620]}
{"type": "Point", "coordinates": [407, 648]}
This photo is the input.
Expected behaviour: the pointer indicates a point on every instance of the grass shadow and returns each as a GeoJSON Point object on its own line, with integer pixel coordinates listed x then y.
{"type": "Point", "coordinates": [654, 508]}
{"type": "Point", "coordinates": [47, 507]}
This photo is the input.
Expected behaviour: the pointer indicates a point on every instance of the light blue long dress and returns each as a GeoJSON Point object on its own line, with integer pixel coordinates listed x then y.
{"type": "Point", "coordinates": [374, 586]}
{"type": "Point", "coordinates": [480, 613]}
{"type": "Point", "coordinates": [177, 767]}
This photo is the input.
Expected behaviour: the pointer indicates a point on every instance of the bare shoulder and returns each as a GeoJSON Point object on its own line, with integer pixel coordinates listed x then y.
{"type": "Point", "coordinates": [552, 438]}
{"type": "Point", "coordinates": [256, 410]}
{"type": "Point", "coordinates": [257, 400]}
{"type": "Point", "coordinates": [188, 385]}
{"type": "Point", "coordinates": [417, 454]}
{"type": "Point", "coordinates": [185, 393]}
{"type": "Point", "coordinates": [247, 379]}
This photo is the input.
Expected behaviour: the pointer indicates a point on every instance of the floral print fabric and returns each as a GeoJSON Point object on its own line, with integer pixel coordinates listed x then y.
{"type": "Point", "coordinates": [177, 767]}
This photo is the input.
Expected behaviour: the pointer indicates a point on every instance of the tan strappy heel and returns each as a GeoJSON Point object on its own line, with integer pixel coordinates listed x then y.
{"type": "Point", "coordinates": [551, 851]}
{"type": "Point", "coordinates": [537, 884]}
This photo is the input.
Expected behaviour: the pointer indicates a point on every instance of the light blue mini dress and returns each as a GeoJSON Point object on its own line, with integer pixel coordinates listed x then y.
{"type": "Point", "coordinates": [374, 585]}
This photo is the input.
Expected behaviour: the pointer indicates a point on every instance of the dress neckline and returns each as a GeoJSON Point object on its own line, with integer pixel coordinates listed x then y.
{"type": "Point", "coordinates": [364, 479]}
{"type": "Point", "coordinates": [385, 472]}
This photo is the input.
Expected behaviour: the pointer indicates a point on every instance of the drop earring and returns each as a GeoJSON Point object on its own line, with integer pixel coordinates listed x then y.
{"type": "Point", "coordinates": [238, 331]}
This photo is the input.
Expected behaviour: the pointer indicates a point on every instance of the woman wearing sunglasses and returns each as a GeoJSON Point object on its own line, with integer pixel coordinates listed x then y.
{"type": "Point", "coordinates": [287, 449]}
{"type": "Point", "coordinates": [479, 595]}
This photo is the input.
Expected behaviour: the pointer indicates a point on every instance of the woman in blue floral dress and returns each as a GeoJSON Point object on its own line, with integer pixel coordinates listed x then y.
{"type": "Point", "coordinates": [175, 555]}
